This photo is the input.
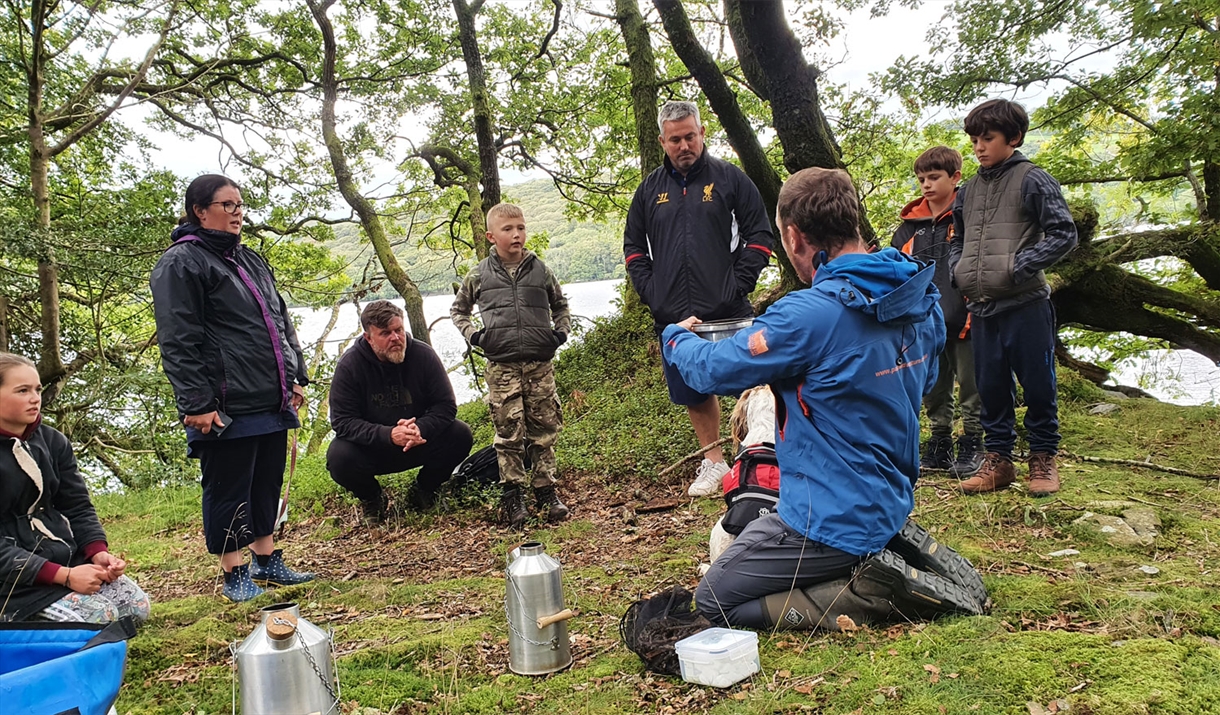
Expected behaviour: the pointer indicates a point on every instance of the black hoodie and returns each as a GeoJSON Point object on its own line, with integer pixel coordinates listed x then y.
{"type": "Point", "coordinates": [368, 396]}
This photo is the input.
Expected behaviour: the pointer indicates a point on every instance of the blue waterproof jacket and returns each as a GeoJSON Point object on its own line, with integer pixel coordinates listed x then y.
{"type": "Point", "coordinates": [851, 357]}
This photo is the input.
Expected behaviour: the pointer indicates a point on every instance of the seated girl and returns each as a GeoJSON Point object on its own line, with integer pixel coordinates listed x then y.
{"type": "Point", "coordinates": [54, 561]}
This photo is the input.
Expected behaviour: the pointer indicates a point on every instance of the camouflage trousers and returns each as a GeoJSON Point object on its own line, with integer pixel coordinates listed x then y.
{"type": "Point", "coordinates": [527, 416]}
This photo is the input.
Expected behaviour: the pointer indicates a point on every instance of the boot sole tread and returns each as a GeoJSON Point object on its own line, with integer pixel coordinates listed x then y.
{"type": "Point", "coordinates": [935, 591]}
{"type": "Point", "coordinates": [921, 550]}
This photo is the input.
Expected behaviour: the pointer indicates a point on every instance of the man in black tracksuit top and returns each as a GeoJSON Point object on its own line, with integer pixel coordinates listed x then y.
{"type": "Point", "coordinates": [696, 238]}
{"type": "Point", "coordinates": [392, 409]}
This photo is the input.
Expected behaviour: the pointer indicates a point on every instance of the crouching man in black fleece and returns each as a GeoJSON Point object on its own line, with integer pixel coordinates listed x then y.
{"type": "Point", "coordinates": [392, 409]}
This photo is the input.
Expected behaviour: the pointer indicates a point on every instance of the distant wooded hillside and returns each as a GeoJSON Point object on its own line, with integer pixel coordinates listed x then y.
{"type": "Point", "coordinates": [575, 251]}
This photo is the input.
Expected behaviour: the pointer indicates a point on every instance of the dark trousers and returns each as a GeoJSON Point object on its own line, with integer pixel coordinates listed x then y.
{"type": "Point", "coordinates": [769, 557]}
{"type": "Point", "coordinates": [1019, 342]}
{"type": "Point", "coordinates": [241, 488]}
{"type": "Point", "coordinates": [355, 467]}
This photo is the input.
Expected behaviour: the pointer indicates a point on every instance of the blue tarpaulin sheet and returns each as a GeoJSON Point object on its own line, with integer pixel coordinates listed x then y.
{"type": "Point", "coordinates": [68, 668]}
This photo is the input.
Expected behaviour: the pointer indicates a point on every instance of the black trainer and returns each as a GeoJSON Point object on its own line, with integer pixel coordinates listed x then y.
{"type": "Point", "coordinates": [970, 456]}
{"type": "Point", "coordinates": [919, 549]}
{"type": "Point", "coordinates": [917, 594]}
{"type": "Point", "coordinates": [512, 507]}
{"type": "Point", "coordinates": [936, 453]}
{"type": "Point", "coordinates": [549, 505]}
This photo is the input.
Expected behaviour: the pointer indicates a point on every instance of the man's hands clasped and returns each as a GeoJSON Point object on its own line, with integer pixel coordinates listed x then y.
{"type": "Point", "coordinates": [406, 434]}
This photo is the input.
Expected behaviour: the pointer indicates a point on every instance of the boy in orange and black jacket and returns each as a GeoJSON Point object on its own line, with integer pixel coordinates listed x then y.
{"type": "Point", "coordinates": [927, 228]}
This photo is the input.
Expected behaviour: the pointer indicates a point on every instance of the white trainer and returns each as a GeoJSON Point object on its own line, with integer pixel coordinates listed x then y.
{"type": "Point", "coordinates": [708, 479]}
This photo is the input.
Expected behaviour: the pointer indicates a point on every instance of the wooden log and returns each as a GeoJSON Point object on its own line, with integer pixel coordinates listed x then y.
{"type": "Point", "coordinates": [697, 453]}
{"type": "Point", "coordinates": [1141, 465]}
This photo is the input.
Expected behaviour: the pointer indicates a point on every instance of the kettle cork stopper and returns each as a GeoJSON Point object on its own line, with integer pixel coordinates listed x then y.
{"type": "Point", "coordinates": [281, 626]}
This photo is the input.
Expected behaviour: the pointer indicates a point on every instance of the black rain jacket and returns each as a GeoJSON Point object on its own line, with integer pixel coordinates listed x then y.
{"type": "Point", "coordinates": [45, 517]}
{"type": "Point", "coordinates": [227, 341]}
{"type": "Point", "coordinates": [695, 244]}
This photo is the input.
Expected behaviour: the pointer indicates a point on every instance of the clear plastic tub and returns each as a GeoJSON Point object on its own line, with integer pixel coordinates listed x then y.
{"type": "Point", "coordinates": [718, 657]}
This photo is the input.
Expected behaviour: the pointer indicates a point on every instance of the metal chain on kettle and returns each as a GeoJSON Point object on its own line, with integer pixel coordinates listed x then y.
{"type": "Point", "coordinates": [553, 643]}
{"type": "Point", "coordinates": [318, 671]}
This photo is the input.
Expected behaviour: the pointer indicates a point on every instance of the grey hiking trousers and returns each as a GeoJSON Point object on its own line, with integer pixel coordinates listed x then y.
{"type": "Point", "coordinates": [768, 557]}
{"type": "Point", "coordinates": [956, 365]}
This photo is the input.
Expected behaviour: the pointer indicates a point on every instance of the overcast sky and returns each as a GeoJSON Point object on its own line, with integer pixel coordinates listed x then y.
{"type": "Point", "coordinates": [866, 45]}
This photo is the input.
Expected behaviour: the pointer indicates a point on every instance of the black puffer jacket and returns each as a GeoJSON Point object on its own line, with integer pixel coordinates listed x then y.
{"type": "Point", "coordinates": [695, 244]}
{"type": "Point", "coordinates": [46, 518]}
{"type": "Point", "coordinates": [518, 310]}
{"type": "Point", "coordinates": [227, 341]}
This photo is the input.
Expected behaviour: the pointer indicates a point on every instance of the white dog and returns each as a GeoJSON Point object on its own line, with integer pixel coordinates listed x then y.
{"type": "Point", "coordinates": [752, 423]}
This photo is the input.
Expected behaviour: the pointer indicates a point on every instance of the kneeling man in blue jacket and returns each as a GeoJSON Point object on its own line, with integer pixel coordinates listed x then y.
{"type": "Point", "coordinates": [850, 357]}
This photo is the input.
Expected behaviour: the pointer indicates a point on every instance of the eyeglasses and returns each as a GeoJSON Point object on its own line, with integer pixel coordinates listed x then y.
{"type": "Point", "coordinates": [229, 207]}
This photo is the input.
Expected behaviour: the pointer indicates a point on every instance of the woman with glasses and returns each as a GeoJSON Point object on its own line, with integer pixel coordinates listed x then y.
{"type": "Point", "coordinates": [230, 351]}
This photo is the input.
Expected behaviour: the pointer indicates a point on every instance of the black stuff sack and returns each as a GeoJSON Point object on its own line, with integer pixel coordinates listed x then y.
{"type": "Point", "coordinates": [651, 627]}
{"type": "Point", "coordinates": [480, 469]}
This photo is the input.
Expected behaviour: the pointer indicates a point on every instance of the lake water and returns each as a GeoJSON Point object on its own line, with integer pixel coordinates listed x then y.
{"type": "Point", "coordinates": [1178, 376]}
{"type": "Point", "coordinates": [587, 301]}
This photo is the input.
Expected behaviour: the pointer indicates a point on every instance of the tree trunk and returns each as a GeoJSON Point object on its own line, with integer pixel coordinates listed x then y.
{"type": "Point", "coordinates": [50, 361]}
{"type": "Point", "coordinates": [99, 453]}
{"type": "Point", "coordinates": [1211, 187]}
{"type": "Point", "coordinates": [789, 83]}
{"type": "Point", "coordinates": [369, 219]}
{"type": "Point", "coordinates": [1109, 299]}
{"type": "Point", "coordinates": [444, 162]}
{"type": "Point", "coordinates": [643, 66]}
{"type": "Point", "coordinates": [478, 219]}
{"type": "Point", "coordinates": [488, 152]}
{"type": "Point", "coordinates": [774, 64]}
{"type": "Point", "coordinates": [1092, 290]}
{"type": "Point", "coordinates": [741, 135]}
{"type": "Point", "coordinates": [4, 324]}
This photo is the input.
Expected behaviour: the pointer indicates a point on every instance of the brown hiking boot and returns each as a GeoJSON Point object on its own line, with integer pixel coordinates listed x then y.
{"type": "Point", "coordinates": [1043, 474]}
{"type": "Point", "coordinates": [996, 473]}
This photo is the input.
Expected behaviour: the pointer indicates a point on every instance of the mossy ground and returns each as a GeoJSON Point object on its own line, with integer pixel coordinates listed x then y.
{"type": "Point", "coordinates": [417, 610]}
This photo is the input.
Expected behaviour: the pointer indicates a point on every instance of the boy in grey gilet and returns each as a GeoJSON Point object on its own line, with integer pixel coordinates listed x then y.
{"type": "Point", "coordinates": [525, 320]}
{"type": "Point", "coordinates": [1010, 223]}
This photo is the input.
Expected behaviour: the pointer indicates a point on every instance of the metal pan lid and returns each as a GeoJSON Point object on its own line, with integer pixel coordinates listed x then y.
{"type": "Point", "coordinates": [712, 326]}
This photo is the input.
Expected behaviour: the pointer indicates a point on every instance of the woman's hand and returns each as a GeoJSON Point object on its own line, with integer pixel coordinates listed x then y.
{"type": "Point", "coordinates": [298, 397]}
{"type": "Point", "coordinates": [113, 564]}
{"type": "Point", "coordinates": [204, 422]}
{"type": "Point", "coordinates": [85, 579]}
